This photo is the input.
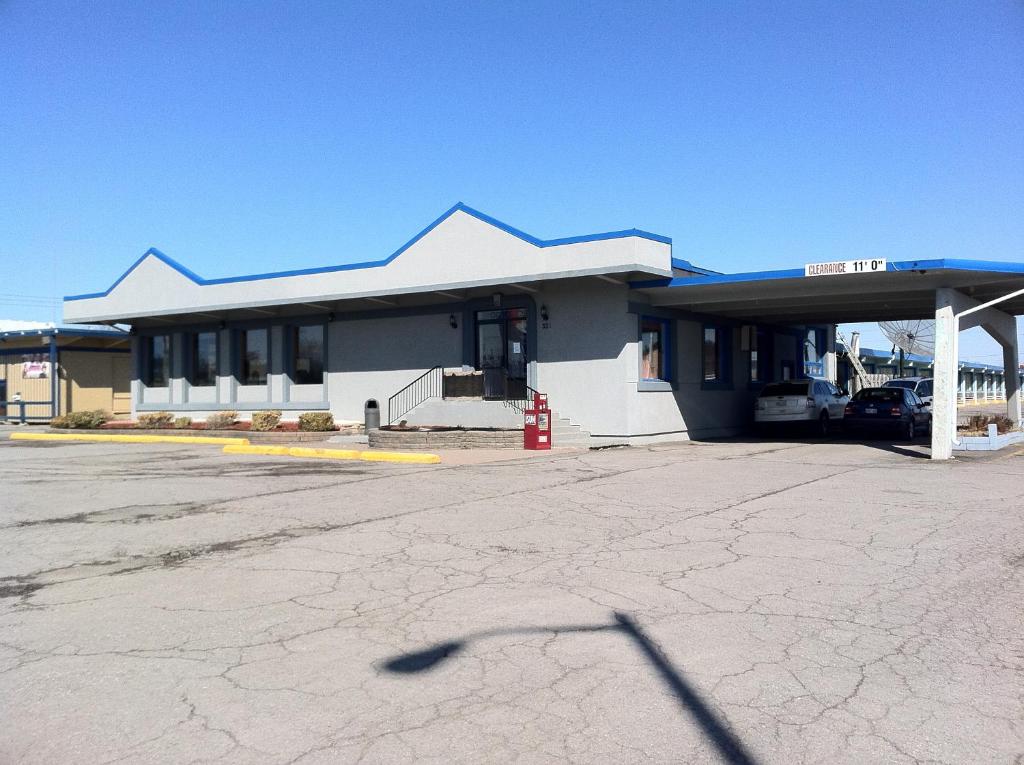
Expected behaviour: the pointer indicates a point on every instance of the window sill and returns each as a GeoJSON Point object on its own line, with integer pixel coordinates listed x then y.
{"type": "Point", "coordinates": [654, 385]}
{"type": "Point", "coordinates": [239, 406]}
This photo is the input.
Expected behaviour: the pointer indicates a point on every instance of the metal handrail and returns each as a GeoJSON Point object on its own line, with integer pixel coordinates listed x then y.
{"type": "Point", "coordinates": [431, 384]}
{"type": "Point", "coordinates": [22, 404]}
{"type": "Point", "coordinates": [520, 404]}
{"type": "Point", "coordinates": [427, 385]}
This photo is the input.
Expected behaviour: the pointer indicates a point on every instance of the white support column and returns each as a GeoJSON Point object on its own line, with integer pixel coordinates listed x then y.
{"type": "Point", "coordinates": [954, 312]}
{"type": "Point", "coordinates": [946, 366]}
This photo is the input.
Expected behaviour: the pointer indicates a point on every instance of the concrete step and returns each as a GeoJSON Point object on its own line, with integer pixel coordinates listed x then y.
{"type": "Point", "coordinates": [565, 433]}
{"type": "Point", "coordinates": [477, 413]}
{"type": "Point", "coordinates": [464, 413]}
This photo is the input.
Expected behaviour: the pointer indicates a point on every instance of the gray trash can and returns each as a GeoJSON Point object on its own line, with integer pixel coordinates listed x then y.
{"type": "Point", "coordinates": [371, 415]}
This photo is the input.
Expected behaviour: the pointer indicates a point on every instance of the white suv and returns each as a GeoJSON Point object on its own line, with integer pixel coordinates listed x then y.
{"type": "Point", "coordinates": [922, 386]}
{"type": "Point", "coordinates": [808, 402]}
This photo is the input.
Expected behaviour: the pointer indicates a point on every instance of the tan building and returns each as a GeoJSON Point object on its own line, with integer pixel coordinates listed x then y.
{"type": "Point", "coordinates": [49, 371]}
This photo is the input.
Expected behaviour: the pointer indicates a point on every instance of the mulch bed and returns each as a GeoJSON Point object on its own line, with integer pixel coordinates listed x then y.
{"type": "Point", "coordinates": [284, 427]}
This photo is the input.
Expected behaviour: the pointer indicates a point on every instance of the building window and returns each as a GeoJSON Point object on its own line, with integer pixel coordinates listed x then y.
{"type": "Point", "coordinates": [654, 345]}
{"type": "Point", "coordinates": [308, 355]}
{"type": "Point", "coordinates": [156, 360]}
{"type": "Point", "coordinates": [814, 352]}
{"type": "Point", "coordinates": [203, 370]}
{"type": "Point", "coordinates": [712, 365]}
{"type": "Point", "coordinates": [254, 355]}
{"type": "Point", "coordinates": [716, 356]}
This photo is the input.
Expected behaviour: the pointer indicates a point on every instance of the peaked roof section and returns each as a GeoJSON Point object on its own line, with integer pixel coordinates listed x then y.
{"type": "Point", "coordinates": [460, 207]}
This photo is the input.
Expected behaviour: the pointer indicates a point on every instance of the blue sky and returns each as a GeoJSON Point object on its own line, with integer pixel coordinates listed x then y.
{"type": "Point", "coordinates": [243, 137]}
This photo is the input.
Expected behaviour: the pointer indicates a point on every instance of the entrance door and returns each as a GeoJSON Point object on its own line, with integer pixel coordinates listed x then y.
{"type": "Point", "coordinates": [501, 352]}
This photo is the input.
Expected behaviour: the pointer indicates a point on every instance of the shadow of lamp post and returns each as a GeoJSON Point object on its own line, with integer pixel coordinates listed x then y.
{"type": "Point", "coordinates": [729, 747]}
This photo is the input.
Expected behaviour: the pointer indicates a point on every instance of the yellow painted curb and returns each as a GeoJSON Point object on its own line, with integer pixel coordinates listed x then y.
{"type": "Point", "coordinates": [408, 457]}
{"type": "Point", "coordinates": [126, 439]}
{"type": "Point", "coordinates": [336, 454]}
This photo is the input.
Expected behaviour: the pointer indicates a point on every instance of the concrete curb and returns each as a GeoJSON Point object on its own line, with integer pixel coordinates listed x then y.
{"type": "Point", "coordinates": [334, 454]}
{"type": "Point", "coordinates": [126, 439]}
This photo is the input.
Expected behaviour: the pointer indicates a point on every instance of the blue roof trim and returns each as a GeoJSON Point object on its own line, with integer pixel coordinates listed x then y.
{"type": "Point", "coordinates": [152, 252]}
{"type": "Point", "coordinates": [793, 273]}
{"type": "Point", "coordinates": [69, 331]}
{"type": "Point", "coordinates": [378, 263]}
{"type": "Point", "coordinates": [686, 265]}
{"type": "Point", "coordinates": [874, 353]}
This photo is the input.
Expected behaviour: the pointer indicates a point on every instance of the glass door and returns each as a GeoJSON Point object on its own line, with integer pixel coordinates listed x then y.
{"type": "Point", "coordinates": [515, 352]}
{"type": "Point", "coordinates": [501, 352]}
{"type": "Point", "coordinates": [490, 352]}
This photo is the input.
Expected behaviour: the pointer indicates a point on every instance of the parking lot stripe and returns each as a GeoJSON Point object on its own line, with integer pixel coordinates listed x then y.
{"type": "Point", "coordinates": [127, 439]}
{"type": "Point", "coordinates": [411, 458]}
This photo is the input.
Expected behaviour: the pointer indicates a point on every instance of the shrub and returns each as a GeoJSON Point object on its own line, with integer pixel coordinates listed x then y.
{"type": "Point", "coordinates": [266, 420]}
{"type": "Point", "coordinates": [59, 422]}
{"type": "Point", "coordinates": [316, 421]}
{"type": "Point", "coordinates": [224, 419]}
{"type": "Point", "coordinates": [181, 423]}
{"type": "Point", "coordinates": [156, 420]}
{"type": "Point", "coordinates": [93, 419]}
{"type": "Point", "coordinates": [980, 423]}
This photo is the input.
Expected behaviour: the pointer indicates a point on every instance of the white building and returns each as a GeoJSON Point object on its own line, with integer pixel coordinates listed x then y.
{"type": "Point", "coordinates": [629, 342]}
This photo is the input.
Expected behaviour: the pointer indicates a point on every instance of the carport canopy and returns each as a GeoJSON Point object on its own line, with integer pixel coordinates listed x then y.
{"type": "Point", "coordinates": [904, 290]}
{"type": "Point", "coordinates": [959, 294]}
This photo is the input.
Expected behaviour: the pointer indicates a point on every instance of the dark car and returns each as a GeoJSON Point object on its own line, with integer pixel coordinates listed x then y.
{"type": "Point", "coordinates": [897, 410]}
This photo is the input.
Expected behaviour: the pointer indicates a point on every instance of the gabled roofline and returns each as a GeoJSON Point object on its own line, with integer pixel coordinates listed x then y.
{"type": "Point", "coordinates": [459, 207]}
{"type": "Point", "coordinates": [951, 264]}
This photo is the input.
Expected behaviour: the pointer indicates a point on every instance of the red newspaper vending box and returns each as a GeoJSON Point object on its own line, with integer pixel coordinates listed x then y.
{"type": "Point", "coordinates": [537, 424]}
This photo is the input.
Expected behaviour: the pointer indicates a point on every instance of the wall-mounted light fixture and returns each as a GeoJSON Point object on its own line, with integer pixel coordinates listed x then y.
{"type": "Point", "coordinates": [496, 299]}
{"type": "Point", "coordinates": [223, 325]}
{"type": "Point", "coordinates": [453, 322]}
{"type": "Point", "coordinates": [544, 313]}
{"type": "Point", "coordinates": [330, 316]}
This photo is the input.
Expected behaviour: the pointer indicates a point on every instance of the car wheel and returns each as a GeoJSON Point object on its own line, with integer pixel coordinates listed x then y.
{"type": "Point", "coordinates": [823, 424]}
{"type": "Point", "coordinates": [911, 431]}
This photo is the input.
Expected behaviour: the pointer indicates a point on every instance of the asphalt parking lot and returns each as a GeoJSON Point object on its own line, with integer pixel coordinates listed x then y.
{"type": "Point", "coordinates": [769, 602]}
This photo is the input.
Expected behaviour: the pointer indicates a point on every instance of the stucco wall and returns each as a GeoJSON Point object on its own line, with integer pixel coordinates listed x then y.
{"type": "Point", "coordinates": [375, 358]}
{"type": "Point", "coordinates": [95, 381]}
{"type": "Point", "coordinates": [690, 410]}
{"type": "Point", "coordinates": [587, 360]}
{"type": "Point", "coordinates": [584, 354]}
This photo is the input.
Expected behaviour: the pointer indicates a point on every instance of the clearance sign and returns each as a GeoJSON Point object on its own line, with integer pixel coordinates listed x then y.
{"type": "Point", "coordinates": [843, 267]}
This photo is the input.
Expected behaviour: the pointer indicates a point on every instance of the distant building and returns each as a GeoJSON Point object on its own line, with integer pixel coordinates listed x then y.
{"type": "Point", "coordinates": [46, 370]}
{"type": "Point", "coordinates": [977, 382]}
